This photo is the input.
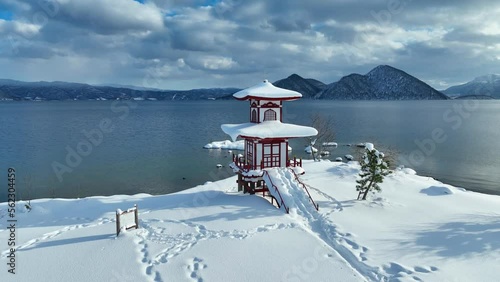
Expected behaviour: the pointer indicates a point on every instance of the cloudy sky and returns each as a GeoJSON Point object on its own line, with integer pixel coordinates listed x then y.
{"type": "Point", "coordinates": [198, 43]}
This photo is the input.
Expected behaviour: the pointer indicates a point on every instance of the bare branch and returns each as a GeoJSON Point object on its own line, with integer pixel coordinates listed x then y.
{"type": "Point", "coordinates": [324, 125]}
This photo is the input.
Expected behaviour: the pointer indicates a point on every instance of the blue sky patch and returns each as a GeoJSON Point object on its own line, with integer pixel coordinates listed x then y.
{"type": "Point", "coordinates": [6, 15]}
{"type": "Point", "coordinates": [210, 2]}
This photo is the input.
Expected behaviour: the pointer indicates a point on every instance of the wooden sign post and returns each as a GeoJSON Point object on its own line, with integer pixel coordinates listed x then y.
{"type": "Point", "coordinates": [127, 219]}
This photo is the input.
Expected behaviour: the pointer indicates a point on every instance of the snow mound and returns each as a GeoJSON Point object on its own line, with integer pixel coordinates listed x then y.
{"type": "Point", "coordinates": [409, 171]}
{"type": "Point", "coordinates": [330, 144]}
{"type": "Point", "coordinates": [310, 149]}
{"type": "Point", "coordinates": [369, 146]}
{"type": "Point", "coordinates": [436, 191]}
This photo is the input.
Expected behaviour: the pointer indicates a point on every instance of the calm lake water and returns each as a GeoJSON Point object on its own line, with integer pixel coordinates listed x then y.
{"type": "Point", "coordinates": [156, 147]}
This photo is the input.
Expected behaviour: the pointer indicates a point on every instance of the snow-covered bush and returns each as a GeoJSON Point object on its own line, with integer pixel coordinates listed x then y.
{"type": "Point", "coordinates": [373, 169]}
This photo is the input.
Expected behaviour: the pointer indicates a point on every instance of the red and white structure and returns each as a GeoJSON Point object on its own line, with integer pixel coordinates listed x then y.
{"type": "Point", "coordinates": [266, 136]}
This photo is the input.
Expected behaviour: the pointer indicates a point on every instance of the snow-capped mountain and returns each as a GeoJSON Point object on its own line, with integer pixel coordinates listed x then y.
{"type": "Point", "coordinates": [381, 83]}
{"type": "Point", "coordinates": [486, 85]}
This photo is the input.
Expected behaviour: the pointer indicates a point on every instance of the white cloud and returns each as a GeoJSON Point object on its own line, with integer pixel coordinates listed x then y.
{"type": "Point", "coordinates": [218, 63]}
{"type": "Point", "coordinates": [180, 62]}
{"type": "Point", "coordinates": [186, 42]}
{"type": "Point", "coordinates": [24, 29]}
{"type": "Point", "coordinates": [110, 16]}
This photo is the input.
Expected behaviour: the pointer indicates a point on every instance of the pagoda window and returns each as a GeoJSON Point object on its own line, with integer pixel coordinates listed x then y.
{"type": "Point", "coordinates": [254, 116]}
{"type": "Point", "coordinates": [271, 156]}
{"type": "Point", "coordinates": [269, 115]}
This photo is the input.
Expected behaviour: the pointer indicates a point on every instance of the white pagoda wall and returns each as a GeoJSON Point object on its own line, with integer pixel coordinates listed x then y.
{"type": "Point", "coordinates": [258, 155]}
{"type": "Point", "coordinates": [261, 109]}
{"type": "Point", "coordinates": [283, 153]}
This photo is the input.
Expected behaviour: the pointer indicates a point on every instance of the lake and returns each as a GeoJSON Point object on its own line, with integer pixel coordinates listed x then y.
{"type": "Point", "coordinates": [84, 148]}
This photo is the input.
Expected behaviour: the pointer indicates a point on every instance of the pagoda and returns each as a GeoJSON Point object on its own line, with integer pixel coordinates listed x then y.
{"type": "Point", "coordinates": [266, 136]}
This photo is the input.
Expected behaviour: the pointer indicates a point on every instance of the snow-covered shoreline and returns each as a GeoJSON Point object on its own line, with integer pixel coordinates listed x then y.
{"type": "Point", "coordinates": [417, 229]}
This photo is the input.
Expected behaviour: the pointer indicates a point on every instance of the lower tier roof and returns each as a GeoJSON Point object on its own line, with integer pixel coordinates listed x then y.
{"type": "Point", "coordinates": [268, 129]}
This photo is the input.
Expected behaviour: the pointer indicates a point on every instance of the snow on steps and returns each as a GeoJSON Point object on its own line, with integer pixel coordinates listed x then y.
{"type": "Point", "coordinates": [297, 203]}
{"type": "Point", "coordinates": [284, 186]}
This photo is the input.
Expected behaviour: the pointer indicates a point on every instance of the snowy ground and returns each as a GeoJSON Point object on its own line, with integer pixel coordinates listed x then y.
{"type": "Point", "coordinates": [417, 229]}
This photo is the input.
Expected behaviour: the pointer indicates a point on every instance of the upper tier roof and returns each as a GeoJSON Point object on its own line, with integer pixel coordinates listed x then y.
{"type": "Point", "coordinates": [266, 91]}
{"type": "Point", "coordinates": [268, 129]}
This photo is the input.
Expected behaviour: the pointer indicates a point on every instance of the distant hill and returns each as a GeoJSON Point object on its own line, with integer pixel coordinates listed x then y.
{"type": "Point", "coordinates": [487, 85]}
{"type": "Point", "coordinates": [474, 97]}
{"type": "Point", "coordinates": [316, 83]}
{"type": "Point", "coordinates": [382, 83]}
{"type": "Point", "coordinates": [128, 86]}
{"type": "Point", "coordinates": [18, 90]}
{"type": "Point", "coordinates": [307, 87]}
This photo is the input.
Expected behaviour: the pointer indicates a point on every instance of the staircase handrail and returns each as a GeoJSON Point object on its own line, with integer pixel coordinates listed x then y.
{"type": "Point", "coordinates": [316, 206]}
{"type": "Point", "coordinates": [276, 188]}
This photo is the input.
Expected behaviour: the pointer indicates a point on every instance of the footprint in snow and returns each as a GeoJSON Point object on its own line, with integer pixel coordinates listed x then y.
{"type": "Point", "coordinates": [193, 269]}
{"type": "Point", "coordinates": [425, 270]}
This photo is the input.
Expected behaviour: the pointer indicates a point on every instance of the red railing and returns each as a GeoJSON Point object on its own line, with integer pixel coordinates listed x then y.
{"type": "Point", "coordinates": [294, 163]}
{"type": "Point", "coordinates": [316, 206]}
{"type": "Point", "coordinates": [240, 162]}
{"type": "Point", "coordinates": [276, 188]}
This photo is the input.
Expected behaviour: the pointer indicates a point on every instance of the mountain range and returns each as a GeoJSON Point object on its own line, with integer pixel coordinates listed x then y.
{"type": "Point", "coordinates": [487, 86]}
{"type": "Point", "coordinates": [57, 90]}
{"type": "Point", "coordinates": [381, 83]}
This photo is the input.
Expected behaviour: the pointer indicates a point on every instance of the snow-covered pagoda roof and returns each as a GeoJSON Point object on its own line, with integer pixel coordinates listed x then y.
{"type": "Point", "coordinates": [266, 90]}
{"type": "Point", "coordinates": [268, 129]}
